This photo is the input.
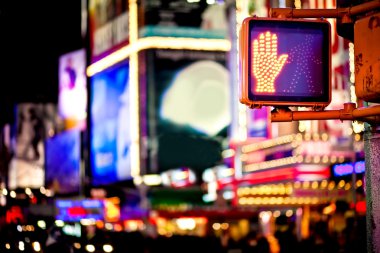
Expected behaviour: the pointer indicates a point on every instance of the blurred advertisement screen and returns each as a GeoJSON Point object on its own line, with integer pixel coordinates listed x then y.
{"type": "Point", "coordinates": [34, 123]}
{"type": "Point", "coordinates": [188, 95]}
{"type": "Point", "coordinates": [258, 123]}
{"type": "Point", "coordinates": [62, 162]}
{"type": "Point", "coordinates": [108, 26]}
{"type": "Point", "coordinates": [72, 97]}
{"type": "Point", "coordinates": [198, 19]}
{"type": "Point", "coordinates": [110, 138]}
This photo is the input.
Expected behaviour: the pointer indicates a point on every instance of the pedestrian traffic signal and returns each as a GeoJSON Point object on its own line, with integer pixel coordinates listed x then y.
{"type": "Point", "coordinates": [285, 62]}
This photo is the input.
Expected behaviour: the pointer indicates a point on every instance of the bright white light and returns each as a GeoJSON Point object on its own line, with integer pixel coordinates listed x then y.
{"type": "Point", "coordinates": [199, 97]}
{"type": "Point", "coordinates": [87, 222]}
{"type": "Point", "coordinates": [152, 179]}
{"type": "Point", "coordinates": [28, 191]}
{"type": "Point", "coordinates": [12, 194]}
{"type": "Point", "coordinates": [19, 228]}
{"type": "Point", "coordinates": [186, 223]}
{"type": "Point", "coordinates": [21, 246]}
{"type": "Point", "coordinates": [90, 248]}
{"type": "Point", "coordinates": [36, 246]}
{"type": "Point", "coordinates": [107, 248]}
{"type": "Point", "coordinates": [265, 217]}
{"type": "Point", "coordinates": [59, 223]}
{"type": "Point", "coordinates": [41, 224]}
{"type": "Point", "coordinates": [208, 175]}
{"type": "Point", "coordinates": [5, 192]}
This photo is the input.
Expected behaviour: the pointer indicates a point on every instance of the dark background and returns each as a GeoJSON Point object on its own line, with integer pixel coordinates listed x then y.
{"type": "Point", "coordinates": [33, 34]}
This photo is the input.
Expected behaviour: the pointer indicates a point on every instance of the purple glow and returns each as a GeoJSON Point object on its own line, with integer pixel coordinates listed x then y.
{"type": "Point", "coordinates": [349, 168]}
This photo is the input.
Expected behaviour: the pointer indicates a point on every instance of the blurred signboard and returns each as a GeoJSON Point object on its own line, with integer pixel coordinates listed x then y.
{"type": "Point", "coordinates": [188, 103]}
{"type": "Point", "coordinates": [108, 25]}
{"type": "Point", "coordinates": [180, 18]}
{"type": "Point", "coordinates": [62, 162]}
{"type": "Point", "coordinates": [76, 210]}
{"type": "Point", "coordinates": [72, 94]}
{"type": "Point", "coordinates": [34, 123]}
{"type": "Point", "coordinates": [110, 126]}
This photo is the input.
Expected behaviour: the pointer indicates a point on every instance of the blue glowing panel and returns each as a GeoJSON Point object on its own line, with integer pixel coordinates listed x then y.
{"type": "Point", "coordinates": [76, 210]}
{"type": "Point", "coordinates": [62, 162]}
{"type": "Point", "coordinates": [349, 168]}
{"type": "Point", "coordinates": [110, 126]}
{"type": "Point", "coordinates": [258, 123]}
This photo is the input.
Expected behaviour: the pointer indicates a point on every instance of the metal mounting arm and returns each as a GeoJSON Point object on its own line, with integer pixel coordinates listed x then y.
{"type": "Point", "coordinates": [349, 112]}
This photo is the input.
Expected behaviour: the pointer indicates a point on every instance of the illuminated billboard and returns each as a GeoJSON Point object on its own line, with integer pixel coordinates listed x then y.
{"type": "Point", "coordinates": [108, 26]}
{"type": "Point", "coordinates": [72, 95]}
{"type": "Point", "coordinates": [197, 19]}
{"type": "Point", "coordinates": [62, 162]}
{"type": "Point", "coordinates": [110, 138]}
{"type": "Point", "coordinates": [34, 122]}
{"type": "Point", "coordinates": [285, 62]}
{"type": "Point", "coordinates": [188, 107]}
{"type": "Point", "coordinates": [75, 210]}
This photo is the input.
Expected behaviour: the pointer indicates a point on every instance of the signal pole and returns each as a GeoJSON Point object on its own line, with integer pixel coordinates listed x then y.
{"type": "Point", "coordinates": [372, 186]}
{"type": "Point", "coordinates": [369, 89]}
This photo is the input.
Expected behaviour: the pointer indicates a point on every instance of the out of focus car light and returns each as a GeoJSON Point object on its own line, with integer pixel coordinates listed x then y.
{"type": "Point", "coordinates": [36, 246]}
{"type": "Point", "coordinates": [107, 248]}
{"type": "Point", "coordinates": [21, 246]}
{"type": "Point", "coordinates": [90, 248]}
{"type": "Point", "coordinates": [77, 245]}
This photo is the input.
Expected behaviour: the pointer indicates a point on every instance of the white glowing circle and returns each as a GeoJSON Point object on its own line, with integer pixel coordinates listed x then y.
{"type": "Point", "coordinates": [90, 248]}
{"type": "Point", "coordinates": [199, 97]}
{"type": "Point", "coordinates": [107, 248]}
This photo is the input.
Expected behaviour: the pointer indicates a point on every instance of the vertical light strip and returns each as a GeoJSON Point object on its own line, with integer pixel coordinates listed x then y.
{"type": "Point", "coordinates": [241, 13]}
{"type": "Point", "coordinates": [357, 126]}
{"type": "Point", "coordinates": [134, 90]}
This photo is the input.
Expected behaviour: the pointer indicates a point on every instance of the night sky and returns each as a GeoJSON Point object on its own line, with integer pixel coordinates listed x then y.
{"type": "Point", "coordinates": [33, 34]}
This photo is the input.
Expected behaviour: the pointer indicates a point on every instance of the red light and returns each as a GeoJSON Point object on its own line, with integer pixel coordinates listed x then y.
{"type": "Point", "coordinates": [361, 207]}
{"type": "Point", "coordinates": [76, 211]}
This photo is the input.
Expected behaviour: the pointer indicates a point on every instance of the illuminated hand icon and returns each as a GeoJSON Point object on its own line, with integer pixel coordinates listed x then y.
{"type": "Point", "coordinates": [266, 63]}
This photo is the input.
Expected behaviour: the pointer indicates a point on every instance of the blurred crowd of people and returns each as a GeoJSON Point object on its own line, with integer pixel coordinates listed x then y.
{"type": "Point", "coordinates": [284, 240]}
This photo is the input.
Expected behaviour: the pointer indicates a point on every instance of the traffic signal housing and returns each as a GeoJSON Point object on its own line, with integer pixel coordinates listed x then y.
{"type": "Point", "coordinates": [285, 62]}
{"type": "Point", "coordinates": [367, 58]}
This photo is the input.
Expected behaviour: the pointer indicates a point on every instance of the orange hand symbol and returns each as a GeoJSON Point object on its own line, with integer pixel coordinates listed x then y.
{"type": "Point", "coordinates": [266, 63]}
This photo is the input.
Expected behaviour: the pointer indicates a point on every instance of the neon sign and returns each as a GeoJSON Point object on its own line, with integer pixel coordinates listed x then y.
{"type": "Point", "coordinates": [75, 210]}
{"type": "Point", "coordinates": [349, 168]}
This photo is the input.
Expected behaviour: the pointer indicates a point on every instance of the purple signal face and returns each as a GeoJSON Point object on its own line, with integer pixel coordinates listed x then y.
{"type": "Point", "coordinates": [286, 61]}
